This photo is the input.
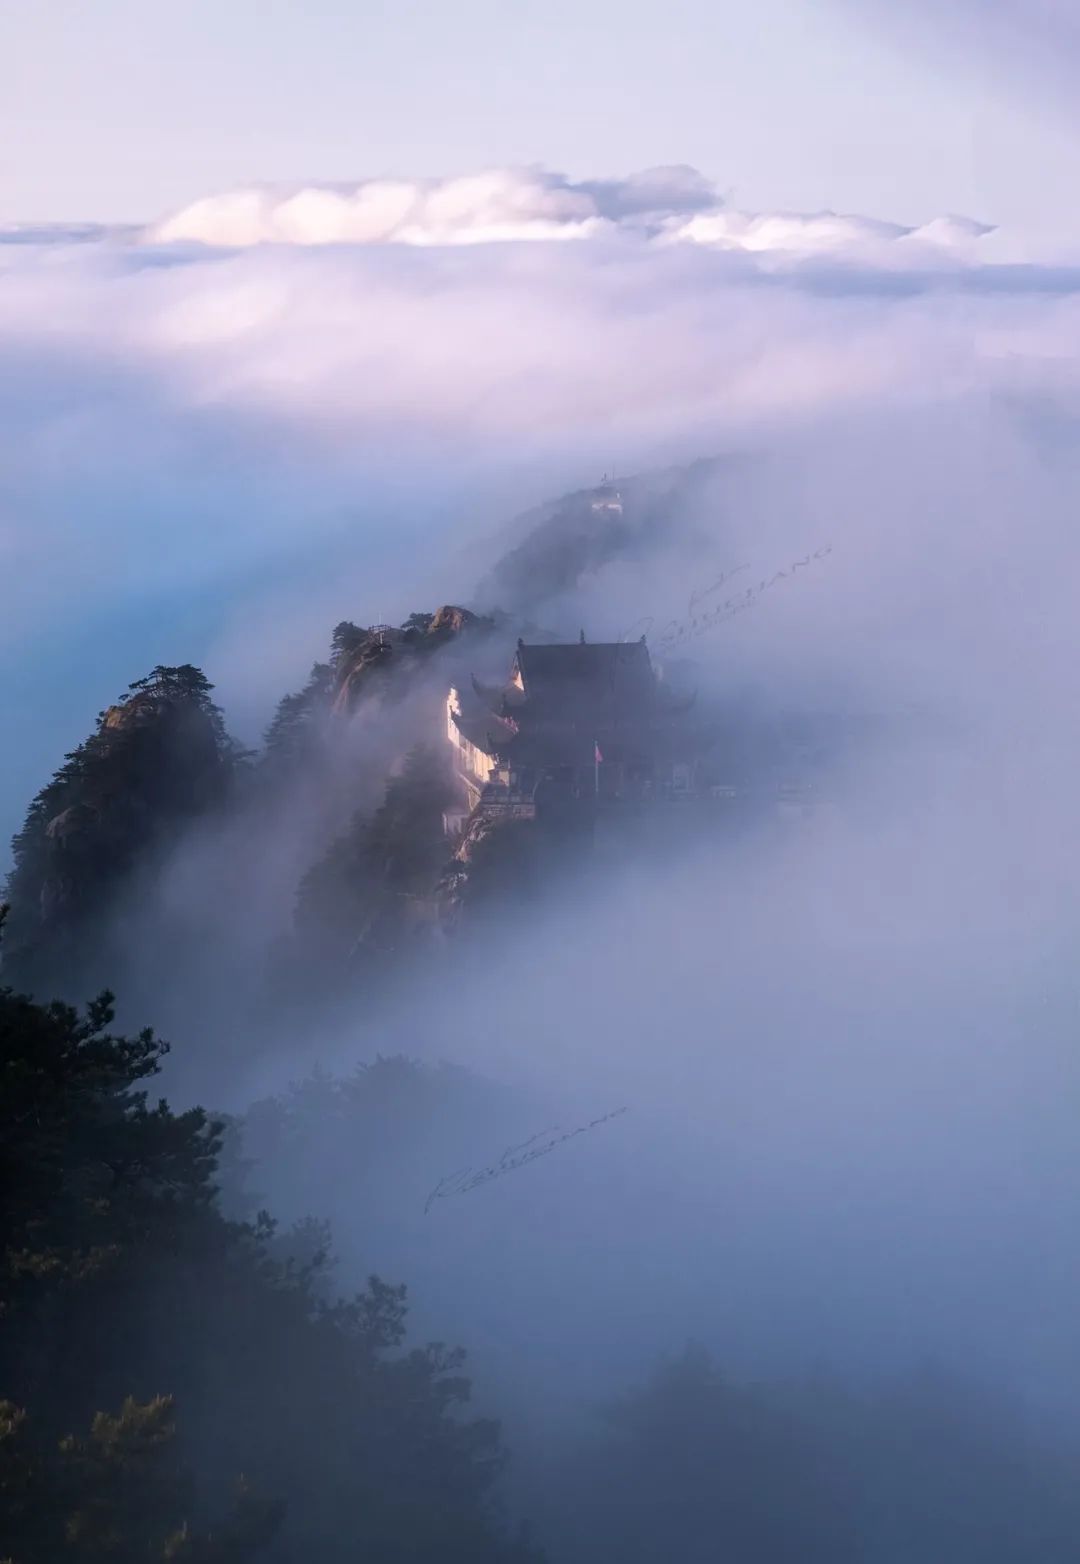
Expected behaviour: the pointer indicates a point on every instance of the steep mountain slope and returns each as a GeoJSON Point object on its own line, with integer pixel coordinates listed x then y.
{"type": "Point", "coordinates": [159, 758]}
{"type": "Point", "coordinates": [560, 544]}
{"type": "Point", "coordinates": [93, 854]}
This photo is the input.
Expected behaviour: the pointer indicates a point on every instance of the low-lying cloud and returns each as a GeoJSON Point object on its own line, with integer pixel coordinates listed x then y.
{"type": "Point", "coordinates": [213, 450]}
{"type": "Point", "coordinates": [845, 1049]}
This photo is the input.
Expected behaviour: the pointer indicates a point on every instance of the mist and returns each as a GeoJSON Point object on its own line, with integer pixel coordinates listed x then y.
{"type": "Point", "coordinates": [843, 1040]}
{"type": "Point", "coordinates": [235, 447]}
{"type": "Point", "coordinates": [844, 1043]}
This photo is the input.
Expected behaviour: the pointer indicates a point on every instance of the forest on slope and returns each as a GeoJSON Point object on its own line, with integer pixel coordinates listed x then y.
{"type": "Point", "coordinates": [180, 1383]}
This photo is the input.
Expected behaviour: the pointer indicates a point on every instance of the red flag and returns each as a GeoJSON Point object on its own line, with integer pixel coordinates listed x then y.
{"type": "Point", "coordinates": [597, 757]}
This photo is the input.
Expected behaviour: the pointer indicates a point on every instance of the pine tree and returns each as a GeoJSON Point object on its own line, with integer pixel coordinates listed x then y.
{"type": "Point", "coordinates": [159, 759]}
{"type": "Point", "coordinates": [119, 1492]}
{"type": "Point", "coordinates": [122, 1285]}
{"type": "Point", "coordinates": [295, 725]}
{"type": "Point", "coordinates": [346, 639]}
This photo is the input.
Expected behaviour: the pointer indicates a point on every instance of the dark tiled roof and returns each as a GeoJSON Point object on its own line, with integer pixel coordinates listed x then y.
{"type": "Point", "coordinates": [484, 729]}
{"type": "Point", "coordinates": [604, 676]}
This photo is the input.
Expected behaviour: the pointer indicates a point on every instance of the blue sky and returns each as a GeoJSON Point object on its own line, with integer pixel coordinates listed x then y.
{"type": "Point", "coordinates": [125, 109]}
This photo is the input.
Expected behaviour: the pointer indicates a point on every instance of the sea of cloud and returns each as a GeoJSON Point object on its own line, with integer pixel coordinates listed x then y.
{"type": "Point", "coordinates": [847, 1052]}
{"type": "Point", "coordinates": [222, 432]}
{"type": "Point", "coordinates": [845, 1044]}
{"type": "Point", "coordinates": [215, 452]}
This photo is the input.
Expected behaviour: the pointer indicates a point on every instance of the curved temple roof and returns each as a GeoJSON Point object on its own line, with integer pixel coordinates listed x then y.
{"type": "Point", "coordinates": [614, 676]}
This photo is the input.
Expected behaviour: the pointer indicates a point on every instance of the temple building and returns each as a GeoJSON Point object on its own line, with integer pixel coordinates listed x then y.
{"type": "Point", "coordinates": [586, 724]}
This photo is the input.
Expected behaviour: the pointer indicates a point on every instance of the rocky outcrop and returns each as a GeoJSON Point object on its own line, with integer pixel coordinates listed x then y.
{"type": "Point", "coordinates": [375, 655]}
{"type": "Point", "coordinates": [359, 673]}
{"type": "Point", "coordinates": [499, 855]}
{"type": "Point", "coordinates": [450, 620]}
{"type": "Point", "coordinates": [130, 713]}
{"type": "Point", "coordinates": [72, 823]}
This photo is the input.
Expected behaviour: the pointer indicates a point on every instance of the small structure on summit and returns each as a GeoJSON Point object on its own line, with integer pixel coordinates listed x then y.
{"type": "Point", "coordinates": [584, 721]}
{"type": "Point", "coordinates": [606, 500]}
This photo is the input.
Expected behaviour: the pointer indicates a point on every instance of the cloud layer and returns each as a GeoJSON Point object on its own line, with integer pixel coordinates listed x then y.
{"type": "Point", "coordinates": [667, 204]}
{"type": "Point", "coordinates": [214, 450]}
